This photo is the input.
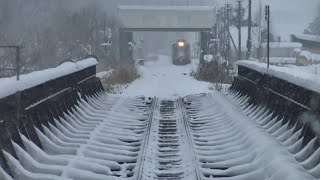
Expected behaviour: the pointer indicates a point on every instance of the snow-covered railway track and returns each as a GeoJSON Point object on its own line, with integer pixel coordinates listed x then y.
{"type": "Point", "coordinates": [100, 139]}
{"type": "Point", "coordinates": [238, 141]}
{"type": "Point", "coordinates": [205, 136]}
{"type": "Point", "coordinates": [168, 154]}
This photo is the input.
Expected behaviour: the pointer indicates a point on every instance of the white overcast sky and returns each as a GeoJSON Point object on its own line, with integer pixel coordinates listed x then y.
{"type": "Point", "coordinates": [288, 16]}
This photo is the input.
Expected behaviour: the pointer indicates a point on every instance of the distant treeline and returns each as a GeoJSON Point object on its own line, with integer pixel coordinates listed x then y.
{"type": "Point", "coordinates": [52, 30]}
{"type": "Point", "coordinates": [314, 27]}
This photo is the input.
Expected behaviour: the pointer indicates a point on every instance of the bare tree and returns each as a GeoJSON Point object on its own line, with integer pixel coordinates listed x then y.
{"type": "Point", "coordinates": [50, 31]}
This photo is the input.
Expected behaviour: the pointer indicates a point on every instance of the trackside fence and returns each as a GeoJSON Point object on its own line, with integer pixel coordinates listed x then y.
{"type": "Point", "coordinates": [296, 105]}
{"type": "Point", "coordinates": [41, 104]}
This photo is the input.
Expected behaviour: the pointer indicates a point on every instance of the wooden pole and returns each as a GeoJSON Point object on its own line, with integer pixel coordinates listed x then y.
{"type": "Point", "coordinates": [239, 29]}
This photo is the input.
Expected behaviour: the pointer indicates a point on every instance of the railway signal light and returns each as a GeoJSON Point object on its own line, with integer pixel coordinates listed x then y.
{"type": "Point", "coordinates": [267, 13]}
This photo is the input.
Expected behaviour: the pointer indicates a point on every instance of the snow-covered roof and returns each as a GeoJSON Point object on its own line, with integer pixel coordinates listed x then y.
{"type": "Point", "coordinates": [308, 37]}
{"type": "Point", "coordinates": [306, 54]}
{"type": "Point", "coordinates": [166, 8]}
{"type": "Point", "coordinates": [294, 76]}
{"type": "Point", "coordinates": [9, 86]}
{"type": "Point", "coordinates": [283, 45]}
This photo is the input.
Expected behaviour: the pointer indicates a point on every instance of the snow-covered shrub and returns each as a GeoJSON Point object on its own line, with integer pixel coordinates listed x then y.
{"type": "Point", "coordinates": [122, 75]}
{"type": "Point", "coordinates": [213, 72]}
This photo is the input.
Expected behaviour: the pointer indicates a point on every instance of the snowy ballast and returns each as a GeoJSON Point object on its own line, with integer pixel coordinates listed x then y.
{"type": "Point", "coordinates": [9, 86]}
{"type": "Point", "coordinates": [294, 76]}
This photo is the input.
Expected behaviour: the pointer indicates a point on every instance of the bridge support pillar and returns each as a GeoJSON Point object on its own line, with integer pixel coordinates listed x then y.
{"type": "Point", "coordinates": [125, 46]}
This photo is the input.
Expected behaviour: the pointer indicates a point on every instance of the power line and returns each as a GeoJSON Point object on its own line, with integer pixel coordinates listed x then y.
{"type": "Point", "coordinates": [239, 28]}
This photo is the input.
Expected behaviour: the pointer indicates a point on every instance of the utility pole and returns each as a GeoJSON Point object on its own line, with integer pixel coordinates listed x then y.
{"type": "Point", "coordinates": [18, 62]}
{"type": "Point", "coordinates": [227, 32]}
{"type": "Point", "coordinates": [104, 30]}
{"type": "Point", "coordinates": [249, 44]}
{"type": "Point", "coordinates": [221, 33]}
{"type": "Point", "coordinates": [218, 33]}
{"type": "Point", "coordinates": [239, 28]}
{"type": "Point", "coordinates": [267, 16]}
{"type": "Point", "coordinates": [259, 37]}
{"type": "Point", "coordinates": [267, 13]}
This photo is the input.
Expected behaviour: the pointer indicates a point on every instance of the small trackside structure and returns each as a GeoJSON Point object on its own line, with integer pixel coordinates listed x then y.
{"type": "Point", "coordinates": [291, 96]}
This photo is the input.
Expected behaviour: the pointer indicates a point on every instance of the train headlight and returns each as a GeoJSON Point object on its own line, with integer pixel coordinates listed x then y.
{"type": "Point", "coordinates": [181, 44]}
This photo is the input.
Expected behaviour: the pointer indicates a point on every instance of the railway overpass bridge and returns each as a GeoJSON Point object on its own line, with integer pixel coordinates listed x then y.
{"type": "Point", "coordinates": [164, 19]}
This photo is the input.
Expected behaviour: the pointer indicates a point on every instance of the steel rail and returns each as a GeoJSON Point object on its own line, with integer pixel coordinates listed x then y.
{"type": "Point", "coordinates": [187, 127]}
{"type": "Point", "coordinates": [146, 141]}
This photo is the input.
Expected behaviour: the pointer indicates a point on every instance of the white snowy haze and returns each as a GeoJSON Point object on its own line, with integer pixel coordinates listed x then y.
{"type": "Point", "coordinates": [287, 16]}
{"type": "Point", "coordinates": [292, 16]}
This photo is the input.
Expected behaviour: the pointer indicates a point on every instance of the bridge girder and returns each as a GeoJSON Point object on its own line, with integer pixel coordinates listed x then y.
{"type": "Point", "coordinates": [173, 18]}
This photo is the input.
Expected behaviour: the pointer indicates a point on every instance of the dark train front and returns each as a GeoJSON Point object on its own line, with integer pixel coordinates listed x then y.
{"type": "Point", "coordinates": [181, 53]}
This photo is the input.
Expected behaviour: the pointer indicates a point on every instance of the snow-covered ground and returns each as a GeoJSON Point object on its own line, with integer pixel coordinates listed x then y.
{"type": "Point", "coordinates": [163, 79]}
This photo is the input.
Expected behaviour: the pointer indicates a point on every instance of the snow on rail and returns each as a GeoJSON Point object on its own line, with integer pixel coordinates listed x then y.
{"type": "Point", "coordinates": [295, 76]}
{"type": "Point", "coordinates": [248, 145]}
{"type": "Point", "coordinates": [282, 142]}
{"type": "Point", "coordinates": [206, 136]}
{"type": "Point", "coordinates": [9, 86]}
{"type": "Point", "coordinates": [168, 153]}
{"type": "Point", "coordinates": [99, 139]}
